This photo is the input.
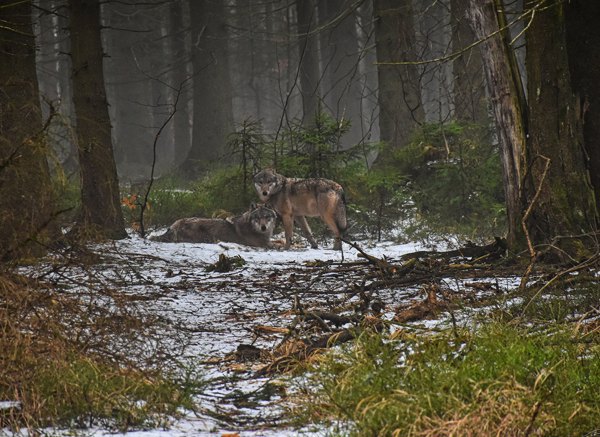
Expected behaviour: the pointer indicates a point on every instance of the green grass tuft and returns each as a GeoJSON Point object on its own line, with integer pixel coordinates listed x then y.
{"type": "Point", "coordinates": [83, 392]}
{"type": "Point", "coordinates": [500, 379]}
{"type": "Point", "coordinates": [55, 376]}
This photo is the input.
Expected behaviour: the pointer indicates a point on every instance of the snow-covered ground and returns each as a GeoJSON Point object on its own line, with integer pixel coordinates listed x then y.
{"type": "Point", "coordinates": [213, 313]}
{"type": "Point", "coordinates": [218, 311]}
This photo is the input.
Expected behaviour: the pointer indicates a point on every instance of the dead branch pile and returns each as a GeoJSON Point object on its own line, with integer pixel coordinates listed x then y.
{"type": "Point", "coordinates": [332, 303]}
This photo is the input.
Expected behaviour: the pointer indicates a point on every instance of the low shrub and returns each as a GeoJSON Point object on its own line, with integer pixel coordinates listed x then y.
{"type": "Point", "coordinates": [59, 366]}
{"type": "Point", "coordinates": [498, 379]}
{"type": "Point", "coordinates": [447, 181]}
{"type": "Point", "coordinates": [170, 199]}
{"type": "Point", "coordinates": [452, 174]}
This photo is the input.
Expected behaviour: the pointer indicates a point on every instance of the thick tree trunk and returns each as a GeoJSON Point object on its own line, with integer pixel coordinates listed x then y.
{"type": "Point", "coordinates": [583, 41]}
{"type": "Point", "coordinates": [101, 214]}
{"type": "Point", "coordinates": [54, 79]}
{"type": "Point", "coordinates": [469, 84]}
{"type": "Point", "coordinates": [400, 109]}
{"type": "Point", "coordinates": [566, 203]}
{"type": "Point", "coordinates": [26, 200]}
{"type": "Point", "coordinates": [508, 105]}
{"type": "Point", "coordinates": [129, 89]}
{"type": "Point", "coordinates": [340, 54]}
{"type": "Point", "coordinates": [213, 117]}
{"type": "Point", "coordinates": [180, 78]}
{"type": "Point", "coordinates": [309, 60]}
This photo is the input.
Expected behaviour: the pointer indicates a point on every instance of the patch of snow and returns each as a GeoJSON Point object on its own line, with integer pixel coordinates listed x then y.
{"type": "Point", "coordinates": [218, 309]}
{"type": "Point", "coordinates": [9, 405]}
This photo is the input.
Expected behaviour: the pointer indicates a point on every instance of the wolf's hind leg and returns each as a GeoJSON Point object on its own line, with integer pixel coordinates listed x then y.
{"type": "Point", "coordinates": [331, 223]}
{"type": "Point", "coordinates": [301, 220]}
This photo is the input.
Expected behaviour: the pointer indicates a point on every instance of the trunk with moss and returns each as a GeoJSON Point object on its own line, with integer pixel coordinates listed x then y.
{"type": "Point", "coordinates": [26, 200]}
{"type": "Point", "coordinates": [506, 93]}
{"type": "Point", "coordinates": [566, 204]}
{"type": "Point", "coordinates": [101, 215]}
{"type": "Point", "coordinates": [583, 40]}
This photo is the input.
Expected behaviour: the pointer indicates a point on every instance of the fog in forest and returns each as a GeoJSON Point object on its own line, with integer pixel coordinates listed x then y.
{"type": "Point", "coordinates": [196, 70]}
{"type": "Point", "coordinates": [175, 173]}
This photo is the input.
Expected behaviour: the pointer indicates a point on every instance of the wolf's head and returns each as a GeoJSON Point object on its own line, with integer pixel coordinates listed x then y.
{"type": "Point", "coordinates": [262, 219]}
{"type": "Point", "coordinates": [267, 183]}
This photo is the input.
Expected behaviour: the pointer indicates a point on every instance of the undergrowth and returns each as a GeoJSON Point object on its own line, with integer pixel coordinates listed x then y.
{"type": "Point", "coordinates": [509, 379]}
{"type": "Point", "coordinates": [59, 366]}
{"type": "Point", "coordinates": [447, 181]}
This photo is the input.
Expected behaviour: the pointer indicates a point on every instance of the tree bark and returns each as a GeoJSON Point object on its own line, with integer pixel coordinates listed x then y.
{"type": "Point", "coordinates": [340, 53]}
{"type": "Point", "coordinates": [566, 203]}
{"type": "Point", "coordinates": [213, 116]}
{"type": "Point", "coordinates": [469, 83]}
{"type": "Point", "coordinates": [309, 60]}
{"type": "Point", "coordinates": [508, 105]}
{"type": "Point", "coordinates": [101, 215]}
{"type": "Point", "coordinates": [583, 40]}
{"type": "Point", "coordinates": [26, 200]}
{"type": "Point", "coordinates": [400, 109]}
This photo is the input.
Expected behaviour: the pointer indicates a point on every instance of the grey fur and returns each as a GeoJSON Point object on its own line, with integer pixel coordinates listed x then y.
{"type": "Point", "coordinates": [296, 199]}
{"type": "Point", "coordinates": [253, 228]}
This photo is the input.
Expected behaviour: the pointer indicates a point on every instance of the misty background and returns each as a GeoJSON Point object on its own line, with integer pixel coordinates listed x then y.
{"type": "Point", "coordinates": [212, 65]}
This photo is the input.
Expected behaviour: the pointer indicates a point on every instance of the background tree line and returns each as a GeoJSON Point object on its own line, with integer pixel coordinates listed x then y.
{"type": "Point", "coordinates": [397, 96]}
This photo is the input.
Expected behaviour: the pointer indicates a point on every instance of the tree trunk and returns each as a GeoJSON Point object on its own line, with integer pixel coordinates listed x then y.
{"type": "Point", "coordinates": [54, 79]}
{"type": "Point", "coordinates": [566, 203]}
{"type": "Point", "coordinates": [508, 105]}
{"type": "Point", "coordinates": [400, 109]}
{"type": "Point", "coordinates": [583, 40]}
{"type": "Point", "coordinates": [26, 200]}
{"type": "Point", "coordinates": [432, 42]}
{"type": "Point", "coordinates": [180, 78]}
{"type": "Point", "coordinates": [129, 89]}
{"type": "Point", "coordinates": [369, 105]}
{"type": "Point", "coordinates": [213, 117]}
{"type": "Point", "coordinates": [469, 84]}
{"type": "Point", "coordinates": [340, 53]}
{"type": "Point", "coordinates": [309, 60]}
{"type": "Point", "coordinates": [101, 214]}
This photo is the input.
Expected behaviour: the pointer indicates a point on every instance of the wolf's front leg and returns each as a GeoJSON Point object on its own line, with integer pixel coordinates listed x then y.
{"type": "Point", "coordinates": [288, 227]}
{"type": "Point", "coordinates": [301, 220]}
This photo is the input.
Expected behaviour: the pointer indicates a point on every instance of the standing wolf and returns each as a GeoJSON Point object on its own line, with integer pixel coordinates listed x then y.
{"type": "Point", "coordinates": [293, 199]}
{"type": "Point", "coordinates": [252, 228]}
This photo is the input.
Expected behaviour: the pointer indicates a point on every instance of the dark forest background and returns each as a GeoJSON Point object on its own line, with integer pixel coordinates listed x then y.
{"type": "Point", "coordinates": [475, 122]}
{"type": "Point", "coordinates": [470, 118]}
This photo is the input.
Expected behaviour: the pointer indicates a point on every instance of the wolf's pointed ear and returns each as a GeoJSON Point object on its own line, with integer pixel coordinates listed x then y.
{"type": "Point", "coordinates": [253, 206]}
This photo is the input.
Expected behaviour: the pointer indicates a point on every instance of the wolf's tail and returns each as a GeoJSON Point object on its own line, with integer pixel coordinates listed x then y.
{"type": "Point", "coordinates": [340, 213]}
{"type": "Point", "coordinates": [167, 237]}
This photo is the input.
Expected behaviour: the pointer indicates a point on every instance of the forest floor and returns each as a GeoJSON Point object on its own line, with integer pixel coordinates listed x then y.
{"type": "Point", "coordinates": [244, 326]}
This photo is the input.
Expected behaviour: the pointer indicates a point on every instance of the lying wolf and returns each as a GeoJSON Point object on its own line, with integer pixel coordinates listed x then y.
{"type": "Point", "coordinates": [252, 228]}
{"type": "Point", "coordinates": [293, 199]}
